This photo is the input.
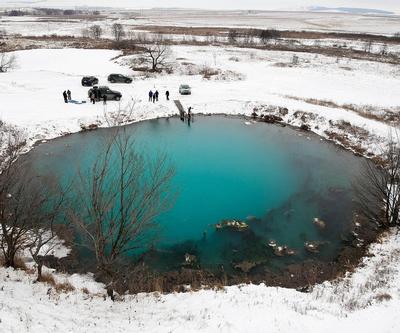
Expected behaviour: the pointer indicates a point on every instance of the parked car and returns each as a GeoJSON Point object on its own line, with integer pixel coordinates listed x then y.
{"type": "Point", "coordinates": [89, 81]}
{"type": "Point", "coordinates": [119, 78]}
{"type": "Point", "coordinates": [184, 89]}
{"type": "Point", "coordinates": [102, 91]}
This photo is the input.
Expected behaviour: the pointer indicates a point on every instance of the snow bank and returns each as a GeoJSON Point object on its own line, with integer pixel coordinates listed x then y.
{"type": "Point", "coordinates": [35, 307]}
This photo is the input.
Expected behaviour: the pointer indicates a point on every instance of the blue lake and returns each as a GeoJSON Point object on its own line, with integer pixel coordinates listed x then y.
{"type": "Point", "coordinates": [275, 179]}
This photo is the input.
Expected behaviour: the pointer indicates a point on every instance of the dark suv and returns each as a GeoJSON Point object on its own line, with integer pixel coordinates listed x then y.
{"type": "Point", "coordinates": [89, 81]}
{"type": "Point", "coordinates": [119, 78]}
{"type": "Point", "coordinates": [100, 92]}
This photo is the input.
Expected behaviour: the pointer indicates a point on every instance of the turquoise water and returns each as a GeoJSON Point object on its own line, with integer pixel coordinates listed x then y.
{"type": "Point", "coordinates": [275, 179]}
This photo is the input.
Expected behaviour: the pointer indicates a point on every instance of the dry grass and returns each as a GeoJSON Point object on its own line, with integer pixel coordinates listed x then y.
{"type": "Point", "coordinates": [60, 287]}
{"type": "Point", "coordinates": [20, 264]}
{"type": "Point", "coordinates": [384, 297]}
{"type": "Point", "coordinates": [85, 291]}
{"type": "Point", "coordinates": [48, 278]}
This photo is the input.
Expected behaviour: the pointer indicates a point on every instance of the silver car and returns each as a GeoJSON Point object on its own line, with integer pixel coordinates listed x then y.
{"type": "Point", "coordinates": [184, 89]}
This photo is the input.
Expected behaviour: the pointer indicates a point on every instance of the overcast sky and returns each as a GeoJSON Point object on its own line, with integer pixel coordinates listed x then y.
{"type": "Point", "coordinates": [393, 5]}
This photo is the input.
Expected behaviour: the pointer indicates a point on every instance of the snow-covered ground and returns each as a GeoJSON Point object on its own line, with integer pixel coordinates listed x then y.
{"type": "Point", "coordinates": [367, 301]}
{"type": "Point", "coordinates": [283, 20]}
{"type": "Point", "coordinates": [31, 95]}
{"type": "Point", "coordinates": [31, 98]}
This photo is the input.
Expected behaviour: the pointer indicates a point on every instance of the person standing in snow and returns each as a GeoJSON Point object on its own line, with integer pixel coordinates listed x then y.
{"type": "Point", "coordinates": [150, 96]}
{"type": "Point", "coordinates": [154, 97]}
{"type": "Point", "coordinates": [93, 97]}
{"type": "Point", "coordinates": [104, 99]}
{"type": "Point", "coordinates": [65, 96]}
{"type": "Point", "coordinates": [156, 93]}
{"type": "Point", "coordinates": [167, 95]}
{"type": "Point", "coordinates": [69, 94]}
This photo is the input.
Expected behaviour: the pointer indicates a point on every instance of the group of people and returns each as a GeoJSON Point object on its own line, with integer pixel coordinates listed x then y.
{"type": "Point", "coordinates": [67, 96]}
{"type": "Point", "coordinates": [153, 96]}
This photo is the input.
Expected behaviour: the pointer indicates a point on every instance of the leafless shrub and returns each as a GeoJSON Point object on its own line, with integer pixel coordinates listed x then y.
{"type": "Point", "coordinates": [8, 61]}
{"type": "Point", "coordinates": [64, 287]}
{"type": "Point", "coordinates": [266, 35]}
{"type": "Point", "coordinates": [384, 297]}
{"type": "Point", "coordinates": [207, 72]}
{"type": "Point", "coordinates": [60, 287]}
{"type": "Point", "coordinates": [378, 189]}
{"type": "Point", "coordinates": [47, 278]}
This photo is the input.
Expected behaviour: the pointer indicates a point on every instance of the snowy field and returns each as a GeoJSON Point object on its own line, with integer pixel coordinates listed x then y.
{"type": "Point", "coordinates": [31, 95]}
{"type": "Point", "coordinates": [325, 22]}
{"type": "Point", "coordinates": [31, 98]}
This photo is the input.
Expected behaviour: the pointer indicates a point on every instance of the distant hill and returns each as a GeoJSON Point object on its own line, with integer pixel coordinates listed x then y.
{"type": "Point", "coordinates": [350, 10]}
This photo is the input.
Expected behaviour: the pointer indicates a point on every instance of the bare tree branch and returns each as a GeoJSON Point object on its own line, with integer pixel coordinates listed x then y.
{"type": "Point", "coordinates": [120, 197]}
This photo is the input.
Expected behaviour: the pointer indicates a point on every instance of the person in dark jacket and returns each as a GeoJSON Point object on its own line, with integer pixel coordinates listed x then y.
{"type": "Point", "coordinates": [150, 96]}
{"type": "Point", "coordinates": [154, 97]}
{"type": "Point", "coordinates": [69, 94]}
{"type": "Point", "coordinates": [105, 99]}
{"type": "Point", "coordinates": [65, 96]}
{"type": "Point", "coordinates": [156, 93]}
{"type": "Point", "coordinates": [167, 95]}
{"type": "Point", "coordinates": [93, 97]}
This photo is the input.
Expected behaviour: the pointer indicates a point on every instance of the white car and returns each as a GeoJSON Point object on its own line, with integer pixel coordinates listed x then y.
{"type": "Point", "coordinates": [184, 89]}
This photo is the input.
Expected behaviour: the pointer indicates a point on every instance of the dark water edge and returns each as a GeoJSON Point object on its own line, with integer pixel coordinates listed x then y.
{"type": "Point", "coordinates": [136, 277]}
{"type": "Point", "coordinates": [140, 277]}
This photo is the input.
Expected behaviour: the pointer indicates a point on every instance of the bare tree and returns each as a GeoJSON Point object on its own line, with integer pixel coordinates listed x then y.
{"type": "Point", "coordinates": [378, 189]}
{"type": "Point", "coordinates": [29, 204]}
{"type": "Point", "coordinates": [368, 46]}
{"type": "Point", "coordinates": [13, 233]}
{"type": "Point", "coordinates": [266, 35]}
{"type": "Point", "coordinates": [95, 31]}
{"type": "Point", "coordinates": [158, 53]}
{"type": "Point", "coordinates": [7, 61]}
{"type": "Point", "coordinates": [232, 36]}
{"type": "Point", "coordinates": [384, 49]}
{"type": "Point", "coordinates": [47, 216]}
{"type": "Point", "coordinates": [120, 197]}
{"type": "Point", "coordinates": [118, 31]}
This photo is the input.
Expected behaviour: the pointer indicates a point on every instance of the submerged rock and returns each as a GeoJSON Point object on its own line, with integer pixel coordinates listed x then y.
{"type": "Point", "coordinates": [245, 266]}
{"type": "Point", "coordinates": [280, 251]}
{"type": "Point", "coordinates": [312, 246]}
{"type": "Point", "coordinates": [319, 223]}
{"type": "Point", "coordinates": [284, 250]}
{"type": "Point", "coordinates": [190, 259]}
{"type": "Point", "coordinates": [232, 224]}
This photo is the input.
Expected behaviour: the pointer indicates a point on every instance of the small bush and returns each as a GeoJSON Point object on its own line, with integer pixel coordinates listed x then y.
{"type": "Point", "coordinates": [383, 297]}
{"type": "Point", "coordinates": [48, 278]}
{"type": "Point", "coordinates": [85, 291]}
{"type": "Point", "coordinates": [64, 287]}
{"type": "Point", "coordinates": [20, 264]}
{"type": "Point", "coordinates": [207, 72]}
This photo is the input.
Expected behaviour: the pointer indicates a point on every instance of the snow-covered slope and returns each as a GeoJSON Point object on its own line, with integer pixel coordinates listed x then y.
{"type": "Point", "coordinates": [368, 301]}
